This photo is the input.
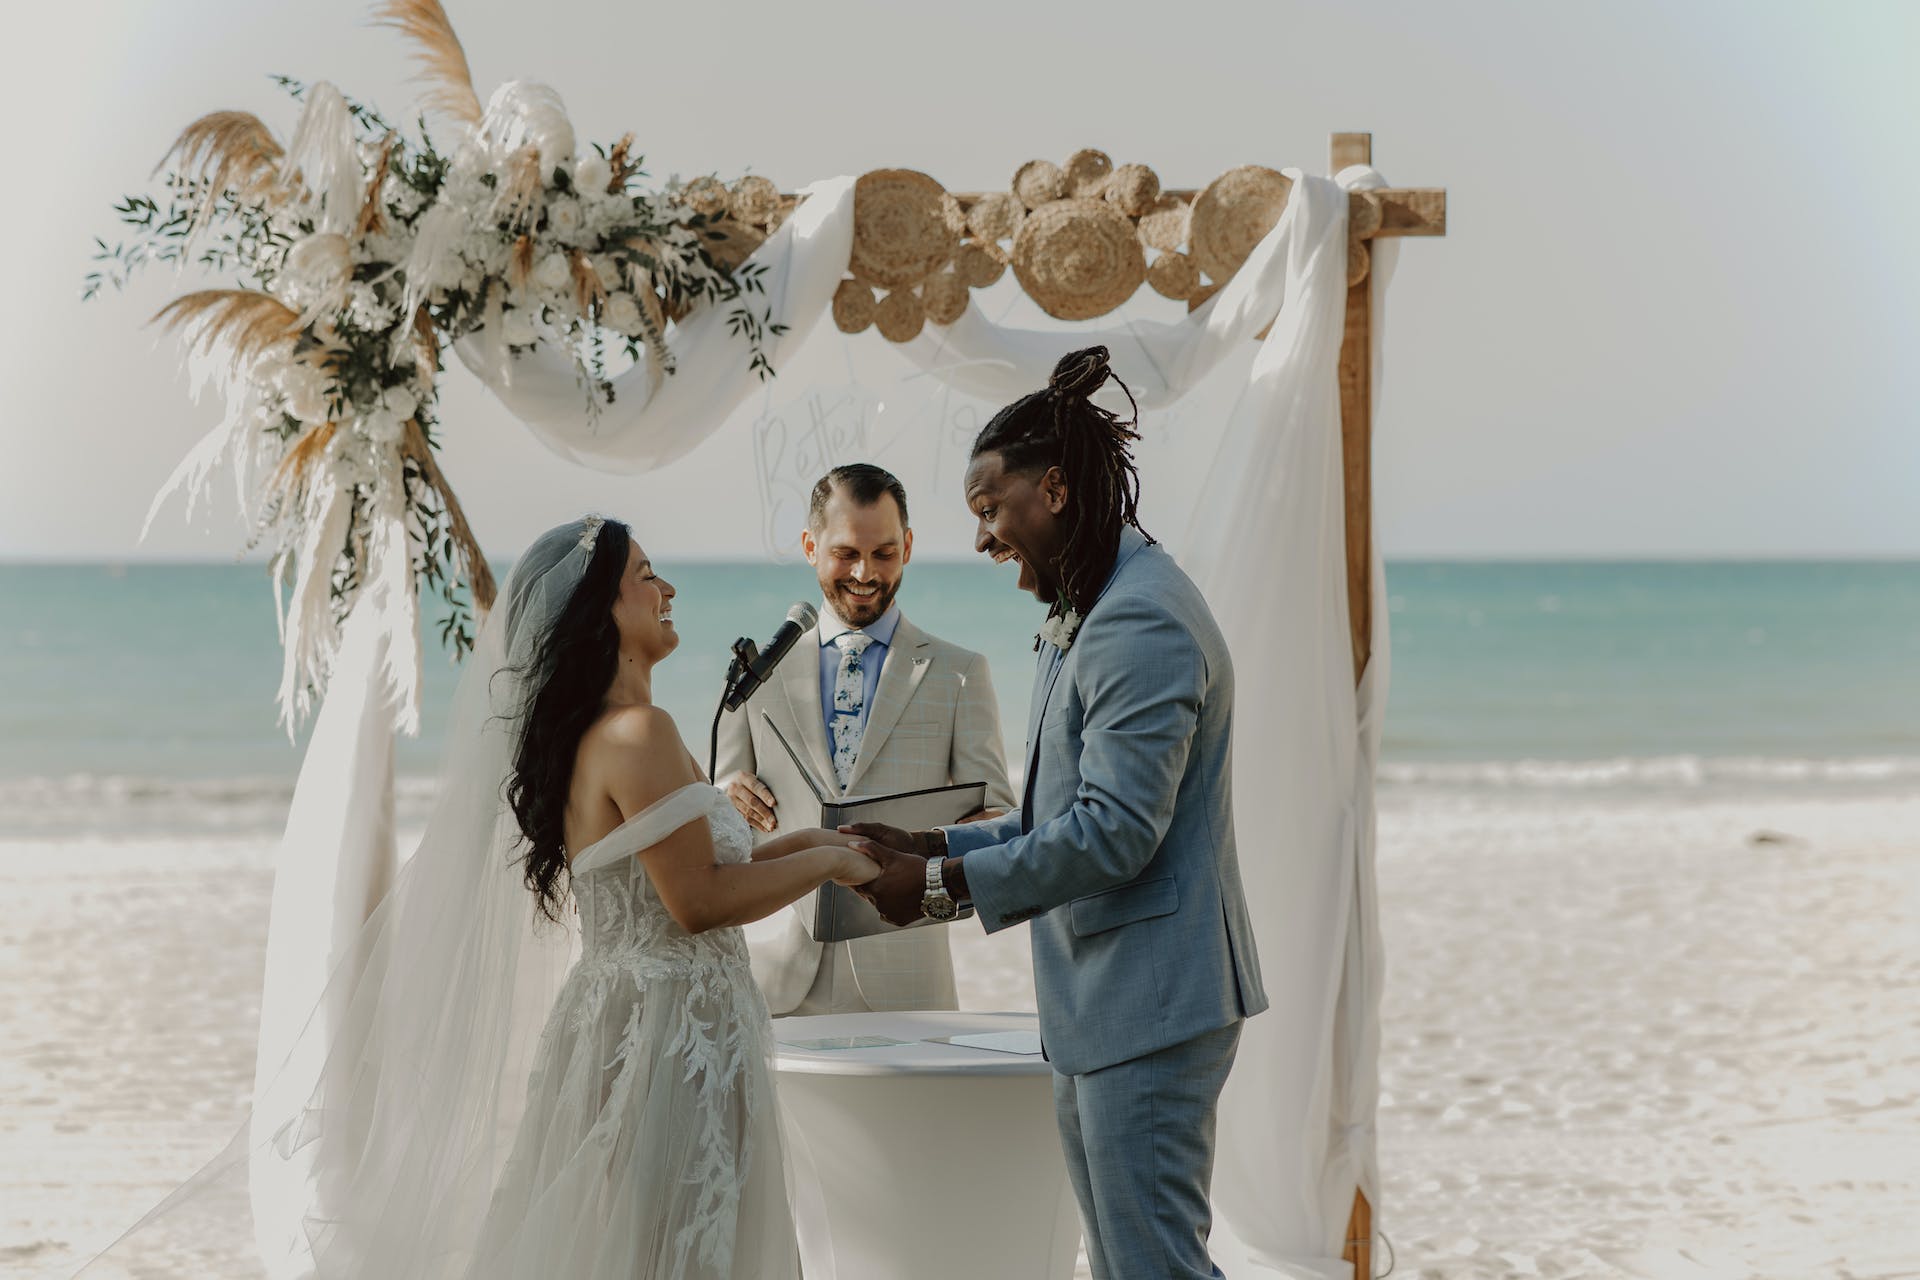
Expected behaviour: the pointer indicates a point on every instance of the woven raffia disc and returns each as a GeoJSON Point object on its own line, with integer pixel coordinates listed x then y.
{"type": "Point", "coordinates": [1359, 262]}
{"type": "Point", "coordinates": [1364, 216]}
{"type": "Point", "coordinates": [730, 241]}
{"type": "Point", "coordinates": [899, 316]}
{"type": "Point", "coordinates": [706, 195]}
{"type": "Point", "coordinates": [1039, 182]}
{"type": "Point", "coordinates": [956, 217]}
{"type": "Point", "coordinates": [1173, 275]}
{"type": "Point", "coordinates": [900, 231]}
{"type": "Point", "coordinates": [1234, 214]}
{"type": "Point", "coordinates": [945, 296]}
{"type": "Point", "coordinates": [754, 199]}
{"type": "Point", "coordinates": [1087, 173]}
{"type": "Point", "coordinates": [1198, 298]}
{"type": "Point", "coordinates": [1078, 258]}
{"type": "Point", "coordinates": [996, 217]}
{"type": "Point", "coordinates": [978, 268]}
{"type": "Point", "coordinates": [852, 306]}
{"type": "Point", "coordinates": [1132, 189]}
{"type": "Point", "coordinates": [1164, 227]}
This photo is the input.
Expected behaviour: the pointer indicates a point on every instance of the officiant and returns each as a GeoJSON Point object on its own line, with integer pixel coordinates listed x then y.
{"type": "Point", "coordinates": [874, 706]}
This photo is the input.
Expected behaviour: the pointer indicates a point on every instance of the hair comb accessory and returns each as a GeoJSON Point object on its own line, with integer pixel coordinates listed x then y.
{"type": "Point", "coordinates": [590, 532]}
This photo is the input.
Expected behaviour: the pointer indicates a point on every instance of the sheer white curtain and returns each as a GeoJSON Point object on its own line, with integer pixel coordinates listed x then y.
{"type": "Point", "coordinates": [1296, 1132]}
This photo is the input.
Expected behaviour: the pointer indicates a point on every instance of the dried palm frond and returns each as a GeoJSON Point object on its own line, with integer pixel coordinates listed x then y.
{"type": "Point", "coordinates": [520, 188]}
{"type": "Point", "coordinates": [230, 151]}
{"type": "Point", "coordinates": [587, 289]}
{"type": "Point", "coordinates": [289, 479]}
{"type": "Point", "coordinates": [443, 62]}
{"type": "Point", "coordinates": [373, 210]}
{"type": "Point", "coordinates": [520, 262]}
{"type": "Point", "coordinates": [246, 322]}
{"type": "Point", "coordinates": [622, 167]}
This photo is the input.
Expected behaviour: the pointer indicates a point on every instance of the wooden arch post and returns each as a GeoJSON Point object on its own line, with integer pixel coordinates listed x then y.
{"type": "Point", "coordinates": [1400, 213]}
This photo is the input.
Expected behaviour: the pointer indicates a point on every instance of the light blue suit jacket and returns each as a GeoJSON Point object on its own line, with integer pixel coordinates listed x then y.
{"type": "Point", "coordinates": [1122, 853]}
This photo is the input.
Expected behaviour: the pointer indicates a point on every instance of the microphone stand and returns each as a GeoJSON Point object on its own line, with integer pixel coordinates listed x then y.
{"type": "Point", "coordinates": [745, 653]}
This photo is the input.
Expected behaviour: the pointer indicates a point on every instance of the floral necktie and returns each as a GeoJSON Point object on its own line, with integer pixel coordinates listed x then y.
{"type": "Point", "coordinates": [849, 702]}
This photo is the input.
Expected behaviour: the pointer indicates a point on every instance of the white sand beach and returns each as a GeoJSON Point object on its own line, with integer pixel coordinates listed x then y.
{"type": "Point", "coordinates": [1622, 1037]}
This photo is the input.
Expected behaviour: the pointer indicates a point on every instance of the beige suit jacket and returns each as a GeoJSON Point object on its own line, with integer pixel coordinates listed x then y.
{"type": "Point", "coordinates": [934, 722]}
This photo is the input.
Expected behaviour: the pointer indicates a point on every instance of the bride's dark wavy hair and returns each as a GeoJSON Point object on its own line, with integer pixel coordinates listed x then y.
{"type": "Point", "coordinates": [1060, 426]}
{"type": "Point", "coordinates": [567, 680]}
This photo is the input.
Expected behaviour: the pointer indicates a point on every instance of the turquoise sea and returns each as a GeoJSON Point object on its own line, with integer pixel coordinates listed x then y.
{"type": "Point", "coordinates": [140, 696]}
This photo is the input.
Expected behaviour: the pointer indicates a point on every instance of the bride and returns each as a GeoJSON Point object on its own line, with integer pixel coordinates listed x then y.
{"type": "Point", "coordinates": [464, 1102]}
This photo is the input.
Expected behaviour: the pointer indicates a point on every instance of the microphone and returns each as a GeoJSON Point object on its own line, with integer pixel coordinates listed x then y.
{"type": "Point", "coordinates": [755, 665]}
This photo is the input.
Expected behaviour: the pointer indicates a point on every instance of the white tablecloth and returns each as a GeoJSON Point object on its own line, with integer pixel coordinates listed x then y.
{"type": "Point", "coordinates": [920, 1159]}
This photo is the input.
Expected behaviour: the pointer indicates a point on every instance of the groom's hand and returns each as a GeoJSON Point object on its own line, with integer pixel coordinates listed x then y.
{"type": "Point", "coordinates": [919, 843]}
{"type": "Point", "coordinates": [902, 883]}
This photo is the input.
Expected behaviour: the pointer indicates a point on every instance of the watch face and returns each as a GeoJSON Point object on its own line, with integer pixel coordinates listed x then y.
{"type": "Point", "coordinates": [940, 908]}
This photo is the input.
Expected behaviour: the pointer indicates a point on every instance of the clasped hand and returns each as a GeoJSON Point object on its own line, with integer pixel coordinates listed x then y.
{"type": "Point", "coordinates": [901, 885]}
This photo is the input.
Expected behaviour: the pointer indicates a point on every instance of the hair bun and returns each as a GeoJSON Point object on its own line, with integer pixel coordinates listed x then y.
{"type": "Point", "coordinates": [1079, 373]}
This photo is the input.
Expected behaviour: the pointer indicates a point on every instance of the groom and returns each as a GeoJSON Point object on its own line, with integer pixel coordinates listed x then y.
{"type": "Point", "coordinates": [1122, 852]}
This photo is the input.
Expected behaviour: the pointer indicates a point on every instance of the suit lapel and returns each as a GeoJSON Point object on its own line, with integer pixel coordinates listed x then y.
{"type": "Point", "coordinates": [1043, 681]}
{"type": "Point", "coordinates": [800, 678]}
{"type": "Point", "coordinates": [905, 667]}
{"type": "Point", "coordinates": [1048, 675]}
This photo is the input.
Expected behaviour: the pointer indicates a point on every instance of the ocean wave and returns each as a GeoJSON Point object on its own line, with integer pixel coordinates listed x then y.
{"type": "Point", "coordinates": [1675, 772]}
{"type": "Point", "coordinates": [117, 804]}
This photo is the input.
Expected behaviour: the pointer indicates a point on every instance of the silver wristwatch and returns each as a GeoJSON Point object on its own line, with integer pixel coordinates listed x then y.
{"type": "Point", "coordinates": [937, 904]}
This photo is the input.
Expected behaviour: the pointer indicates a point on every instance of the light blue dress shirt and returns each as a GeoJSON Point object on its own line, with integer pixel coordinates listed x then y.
{"type": "Point", "coordinates": [880, 631]}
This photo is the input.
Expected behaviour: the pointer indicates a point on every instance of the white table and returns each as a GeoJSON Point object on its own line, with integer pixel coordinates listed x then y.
{"type": "Point", "coordinates": [928, 1161]}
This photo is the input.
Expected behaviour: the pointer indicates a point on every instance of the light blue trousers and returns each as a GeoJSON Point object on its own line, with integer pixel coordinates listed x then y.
{"type": "Point", "coordinates": [1139, 1143]}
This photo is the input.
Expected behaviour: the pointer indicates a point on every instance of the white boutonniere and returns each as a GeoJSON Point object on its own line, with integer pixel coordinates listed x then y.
{"type": "Point", "coordinates": [1058, 630]}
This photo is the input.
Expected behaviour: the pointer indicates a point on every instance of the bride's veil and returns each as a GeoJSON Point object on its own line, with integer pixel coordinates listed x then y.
{"type": "Point", "coordinates": [374, 1148]}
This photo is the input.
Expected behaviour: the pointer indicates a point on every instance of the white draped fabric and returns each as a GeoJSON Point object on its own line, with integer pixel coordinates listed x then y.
{"type": "Point", "coordinates": [1296, 1129]}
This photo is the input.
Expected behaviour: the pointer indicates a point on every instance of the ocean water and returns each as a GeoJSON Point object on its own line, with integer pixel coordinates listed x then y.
{"type": "Point", "coordinates": [139, 697]}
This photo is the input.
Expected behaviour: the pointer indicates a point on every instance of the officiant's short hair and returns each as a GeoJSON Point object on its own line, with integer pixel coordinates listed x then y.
{"type": "Point", "coordinates": [864, 483]}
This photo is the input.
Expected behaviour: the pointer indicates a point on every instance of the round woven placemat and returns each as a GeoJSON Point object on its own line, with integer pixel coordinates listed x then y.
{"type": "Point", "coordinates": [1173, 275]}
{"type": "Point", "coordinates": [1133, 189]}
{"type": "Point", "coordinates": [977, 267]}
{"type": "Point", "coordinates": [900, 230]}
{"type": "Point", "coordinates": [1078, 258]}
{"type": "Point", "coordinates": [1233, 214]}
{"type": "Point", "coordinates": [945, 296]}
{"type": "Point", "coordinates": [1039, 182]}
{"type": "Point", "coordinates": [899, 316]}
{"type": "Point", "coordinates": [1087, 173]}
{"type": "Point", "coordinates": [754, 199]}
{"type": "Point", "coordinates": [852, 306]}
{"type": "Point", "coordinates": [996, 216]}
{"type": "Point", "coordinates": [705, 195]}
{"type": "Point", "coordinates": [1164, 226]}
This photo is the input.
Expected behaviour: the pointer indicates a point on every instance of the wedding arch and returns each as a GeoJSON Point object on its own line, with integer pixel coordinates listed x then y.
{"type": "Point", "coordinates": [361, 256]}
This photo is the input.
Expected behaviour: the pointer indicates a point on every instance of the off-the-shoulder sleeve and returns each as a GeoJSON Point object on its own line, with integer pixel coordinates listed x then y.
{"type": "Point", "coordinates": [650, 826]}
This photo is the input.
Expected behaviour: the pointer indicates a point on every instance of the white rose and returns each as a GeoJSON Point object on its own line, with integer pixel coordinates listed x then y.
{"type": "Point", "coordinates": [400, 402]}
{"type": "Point", "coordinates": [608, 269]}
{"type": "Point", "coordinates": [592, 174]}
{"type": "Point", "coordinates": [552, 272]}
{"type": "Point", "coordinates": [381, 427]}
{"type": "Point", "coordinates": [307, 398]}
{"type": "Point", "coordinates": [621, 314]}
{"type": "Point", "coordinates": [517, 324]}
{"type": "Point", "coordinates": [564, 217]}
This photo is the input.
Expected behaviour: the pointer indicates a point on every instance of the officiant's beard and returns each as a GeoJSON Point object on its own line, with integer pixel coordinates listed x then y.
{"type": "Point", "coordinates": [862, 611]}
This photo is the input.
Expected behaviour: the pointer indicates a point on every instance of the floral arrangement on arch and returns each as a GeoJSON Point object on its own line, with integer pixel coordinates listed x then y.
{"type": "Point", "coordinates": [360, 254]}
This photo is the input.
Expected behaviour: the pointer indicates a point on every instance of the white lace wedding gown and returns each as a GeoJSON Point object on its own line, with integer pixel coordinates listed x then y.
{"type": "Point", "coordinates": [650, 1146]}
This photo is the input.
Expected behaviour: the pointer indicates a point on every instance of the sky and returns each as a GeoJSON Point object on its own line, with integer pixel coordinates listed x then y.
{"type": "Point", "coordinates": [1674, 313]}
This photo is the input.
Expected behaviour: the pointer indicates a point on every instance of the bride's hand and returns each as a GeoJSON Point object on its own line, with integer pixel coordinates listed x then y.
{"type": "Point", "coordinates": [852, 869]}
{"type": "Point", "coordinates": [821, 836]}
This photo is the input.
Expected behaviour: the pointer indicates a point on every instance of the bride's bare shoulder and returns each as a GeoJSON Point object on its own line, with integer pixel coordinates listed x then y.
{"type": "Point", "coordinates": [636, 755]}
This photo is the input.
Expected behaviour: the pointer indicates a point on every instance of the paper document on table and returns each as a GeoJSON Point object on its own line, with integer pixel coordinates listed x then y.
{"type": "Point", "coordinates": [1021, 1042]}
{"type": "Point", "coordinates": [844, 1042]}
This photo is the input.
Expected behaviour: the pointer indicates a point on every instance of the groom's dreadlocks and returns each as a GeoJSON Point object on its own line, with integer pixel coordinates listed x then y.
{"type": "Point", "coordinates": [1061, 427]}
